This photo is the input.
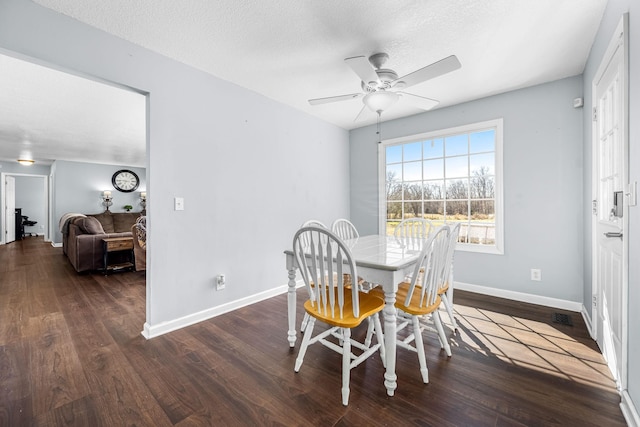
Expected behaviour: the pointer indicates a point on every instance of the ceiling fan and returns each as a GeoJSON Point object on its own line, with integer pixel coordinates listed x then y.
{"type": "Point", "coordinates": [382, 87]}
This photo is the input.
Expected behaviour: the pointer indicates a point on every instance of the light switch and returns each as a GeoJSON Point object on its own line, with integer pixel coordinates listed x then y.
{"type": "Point", "coordinates": [178, 203]}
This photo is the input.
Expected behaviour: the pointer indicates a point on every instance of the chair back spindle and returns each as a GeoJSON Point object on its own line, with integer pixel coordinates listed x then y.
{"type": "Point", "coordinates": [429, 270]}
{"type": "Point", "coordinates": [323, 261]}
{"type": "Point", "coordinates": [413, 230]}
{"type": "Point", "coordinates": [344, 229]}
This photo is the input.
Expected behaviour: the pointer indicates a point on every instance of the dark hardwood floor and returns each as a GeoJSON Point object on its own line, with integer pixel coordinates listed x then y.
{"type": "Point", "coordinates": [71, 353]}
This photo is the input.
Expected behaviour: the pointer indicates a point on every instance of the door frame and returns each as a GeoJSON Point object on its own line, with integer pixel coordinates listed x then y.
{"type": "Point", "coordinates": [619, 39]}
{"type": "Point", "coordinates": [47, 233]}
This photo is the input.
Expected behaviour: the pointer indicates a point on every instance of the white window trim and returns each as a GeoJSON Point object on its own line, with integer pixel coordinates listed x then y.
{"type": "Point", "coordinates": [497, 124]}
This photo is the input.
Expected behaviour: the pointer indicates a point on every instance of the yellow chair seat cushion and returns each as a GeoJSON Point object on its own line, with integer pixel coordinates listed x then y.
{"type": "Point", "coordinates": [369, 304]}
{"type": "Point", "coordinates": [443, 289]}
{"type": "Point", "coordinates": [414, 306]}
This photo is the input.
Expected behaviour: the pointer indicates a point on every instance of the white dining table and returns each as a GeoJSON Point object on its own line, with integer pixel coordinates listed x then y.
{"type": "Point", "coordinates": [380, 259]}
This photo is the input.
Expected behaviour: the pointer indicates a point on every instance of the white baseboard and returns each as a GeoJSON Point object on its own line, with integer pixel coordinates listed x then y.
{"type": "Point", "coordinates": [587, 322]}
{"type": "Point", "coordinates": [152, 331]}
{"type": "Point", "coordinates": [521, 296]}
{"type": "Point", "coordinates": [629, 410]}
{"type": "Point", "coordinates": [56, 245]}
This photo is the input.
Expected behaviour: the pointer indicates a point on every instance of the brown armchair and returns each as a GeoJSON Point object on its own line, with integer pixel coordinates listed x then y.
{"type": "Point", "coordinates": [139, 232]}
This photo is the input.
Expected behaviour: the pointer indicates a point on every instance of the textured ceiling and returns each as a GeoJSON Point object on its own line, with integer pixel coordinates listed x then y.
{"type": "Point", "coordinates": [294, 50]}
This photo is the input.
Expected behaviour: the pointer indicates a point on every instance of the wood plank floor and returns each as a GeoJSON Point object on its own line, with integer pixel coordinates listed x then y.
{"type": "Point", "coordinates": [71, 353]}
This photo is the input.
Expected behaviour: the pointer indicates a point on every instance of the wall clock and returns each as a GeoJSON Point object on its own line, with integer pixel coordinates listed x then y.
{"type": "Point", "coordinates": [125, 181]}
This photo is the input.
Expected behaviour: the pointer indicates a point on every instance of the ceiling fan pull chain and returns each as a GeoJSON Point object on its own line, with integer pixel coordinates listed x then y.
{"type": "Point", "coordinates": [378, 128]}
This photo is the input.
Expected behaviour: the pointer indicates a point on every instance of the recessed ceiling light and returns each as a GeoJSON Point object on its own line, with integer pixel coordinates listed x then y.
{"type": "Point", "coordinates": [26, 162]}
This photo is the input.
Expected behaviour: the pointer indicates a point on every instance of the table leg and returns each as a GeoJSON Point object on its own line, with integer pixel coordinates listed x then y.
{"type": "Point", "coordinates": [389, 311]}
{"type": "Point", "coordinates": [291, 302]}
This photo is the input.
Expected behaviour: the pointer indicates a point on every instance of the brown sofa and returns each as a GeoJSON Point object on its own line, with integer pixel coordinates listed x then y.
{"type": "Point", "coordinates": [82, 237]}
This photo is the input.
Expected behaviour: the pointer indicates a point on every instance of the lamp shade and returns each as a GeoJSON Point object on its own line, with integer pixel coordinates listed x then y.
{"type": "Point", "coordinates": [380, 100]}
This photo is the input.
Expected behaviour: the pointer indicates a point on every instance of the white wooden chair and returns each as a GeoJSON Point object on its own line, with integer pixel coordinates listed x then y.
{"type": "Point", "coordinates": [322, 265]}
{"type": "Point", "coordinates": [446, 287]}
{"type": "Point", "coordinates": [418, 298]}
{"type": "Point", "coordinates": [413, 228]}
{"type": "Point", "coordinates": [307, 223]}
{"type": "Point", "coordinates": [412, 231]}
{"type": "Point", "coordinates": [344, 229]}
{"type": "Point", "coordinates": [316, 223]}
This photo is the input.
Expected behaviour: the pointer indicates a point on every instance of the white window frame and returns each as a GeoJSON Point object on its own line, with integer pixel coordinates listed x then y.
{"type": "Point", "coordinates": [497, 124]}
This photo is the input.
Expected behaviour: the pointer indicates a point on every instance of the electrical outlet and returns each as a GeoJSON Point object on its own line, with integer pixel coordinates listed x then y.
{"type": "Point", "coordinates": [220, 282]}
{"type": "Point", "coordinates": [536, 274]}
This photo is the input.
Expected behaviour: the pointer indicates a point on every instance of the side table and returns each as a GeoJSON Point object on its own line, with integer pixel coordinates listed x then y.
{"type": "Point", "coordinates": [118, 245]}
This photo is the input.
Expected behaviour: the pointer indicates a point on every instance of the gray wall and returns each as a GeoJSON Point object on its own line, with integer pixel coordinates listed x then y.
{"type": "Point", "coordinates": [31, 197]}
{"type": "Point", "coordinates": [78, 188]}
{"type": "Point", "coordinates": [251, 170]}
{"type": "Point", "coordinates": [543, 173]}
{"type": "Point", "coordinates": [614, 11]}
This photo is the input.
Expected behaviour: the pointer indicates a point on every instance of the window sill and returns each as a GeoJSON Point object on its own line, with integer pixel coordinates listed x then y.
{"type": "Point", "coordinates": [482, 249]}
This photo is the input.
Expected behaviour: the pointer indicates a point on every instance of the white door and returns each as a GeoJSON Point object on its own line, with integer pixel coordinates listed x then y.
{"type": "Point", "coordinates": [610, 206]}
{"type": "Point", "coordinates": [10, 208]}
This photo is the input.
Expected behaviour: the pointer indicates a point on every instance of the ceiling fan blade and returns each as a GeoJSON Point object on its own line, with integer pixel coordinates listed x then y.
{"type": "Point", "coordinates": [362, 114]}
{"type": "Point", "coordinates": [429, 72]}
{"type": "Point", "coordinates": [419, 101]}
{"type": "Point", "coordinates": [319, 101]}
{"type": "Point", "coordinates": [362, 67]}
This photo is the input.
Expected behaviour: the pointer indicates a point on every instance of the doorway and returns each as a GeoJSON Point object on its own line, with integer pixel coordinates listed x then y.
{"type": "Point", "coordinates": [610, 189]}
{"type": "Point", "coordinates": [30, 193]}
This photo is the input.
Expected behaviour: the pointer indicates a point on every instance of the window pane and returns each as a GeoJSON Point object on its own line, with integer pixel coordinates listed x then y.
{"type": "Point", "coordinates": [483, 164]}
{"type": "Point", "coordinates": [482, 141]}
{"type": "Point", "coordinates": [391, 226]}
{"type": "Point", "coordinates": [456, 145]}
{"type": "Point", "coordinates": [483, 187]}
{"type": "Point", "coordinates": [433, 148]}
{"type": "Point", "coordinates": [434, 211]}
{"type": "Point", "coordinates": [412, 191]}
{"type": "Point", "coordinates": [394, 191]}
{"type": "Point", "coordinates": [394, 210]}
{"type": "Point", "coordinates": [433, 190]}
{"type": "Point", "coordinates": [483, 210]}
{"type": "Point", "coordinates": [412, 209]}
{"type": "Point", "coordinates": [457, 209]}
{"type": "Point", "coordinates": [457, 189]}
{"type": "Point", "coordinates": [433, 169]}
{"type": "Point", "coordinates": [394, 172]}
{"type": "Point", "coordinates": [482, 233]}
{"type": "Point", "coordinates": [457, 167]}
{"type": "Point", "coordinates": [412, 171]}
{"type": "Point", "coordinates": [394, 154]}
{"type": "Point", "coordinates": [412, 151]}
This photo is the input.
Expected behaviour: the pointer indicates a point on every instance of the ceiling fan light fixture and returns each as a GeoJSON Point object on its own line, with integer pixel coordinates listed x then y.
{"type": "Point", "coordinates": [380, 100]}
{"type": "Point", "coordinates": [26, 162]}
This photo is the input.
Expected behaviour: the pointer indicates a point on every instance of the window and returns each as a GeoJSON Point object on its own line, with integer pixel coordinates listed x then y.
{"type": "Point", "coordinates": [448, 176]}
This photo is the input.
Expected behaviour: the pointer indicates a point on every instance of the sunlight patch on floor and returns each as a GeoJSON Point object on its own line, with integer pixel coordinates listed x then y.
{"type": "Point", "coordinates": [530, 344]}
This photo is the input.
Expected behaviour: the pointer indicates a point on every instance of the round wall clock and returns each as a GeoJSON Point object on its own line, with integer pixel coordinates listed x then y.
{"type": "Point", "coordinates": [125, 181]}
